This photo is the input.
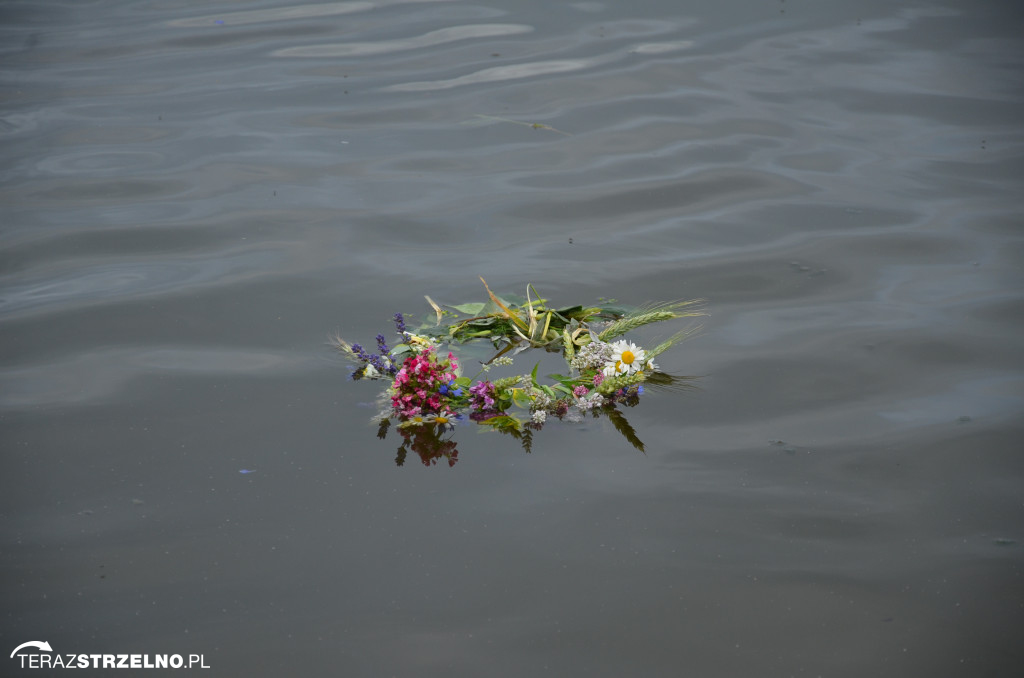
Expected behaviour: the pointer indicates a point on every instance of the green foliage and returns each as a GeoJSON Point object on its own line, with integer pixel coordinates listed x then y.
{"type": "Point", "coordinates": [470, 309]}
{"type": "Point", "coordinates": [612, 384]}
{"type": "Point", "coordinates": [503, 423]}
{"type": "Point", "coordinates": [507, 320]}
{"type": "Point", "coordinates": [651, 314]}
{"type": "Point", "coordinates": [521, 399]}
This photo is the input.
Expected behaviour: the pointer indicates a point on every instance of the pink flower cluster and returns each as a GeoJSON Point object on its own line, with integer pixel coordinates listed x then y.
{"type": "Point", "coordinates": [417, 382]}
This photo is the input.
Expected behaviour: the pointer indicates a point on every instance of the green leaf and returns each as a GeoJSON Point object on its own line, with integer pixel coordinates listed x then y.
{"type": "Point", "coordinates": [490, 308]}
{"type": "Point", "coordinates": [533, 375]}
{"type": "Point", "coordinates": [463, 382]}
{"type": "Point", "coordinates": [513, 300]}
{"type": "Point", "coordinates": [502, 422]}
{"type": "Point", "coordinates": [470, 309]}
{"type": "Point", "coordinates": [571, 312]}
{"type": "Point", "coordinates": [565, 383]}
{"type": "Point", "coordinates": [547, 390]}
{"type": "Point", "coordinates": [521, 399]}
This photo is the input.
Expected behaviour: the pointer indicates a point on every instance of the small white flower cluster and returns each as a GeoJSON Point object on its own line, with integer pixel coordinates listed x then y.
{"type": "Point", "coordinates": [503, 360]}
{"type": "Point", "coordinates": [582, 406]}
{"type": "Point", "coordinates": [590, 401]}
{"type": "Point", "coordinates": [594, 354]}
{"type": "Point", "coordinates": [541, 400]}
{"type": "Point", "coordinates": [539, 416]}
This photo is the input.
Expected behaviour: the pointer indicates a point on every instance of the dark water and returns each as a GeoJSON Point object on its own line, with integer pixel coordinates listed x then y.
{"type": "Point", "coordinates": [195, 195]}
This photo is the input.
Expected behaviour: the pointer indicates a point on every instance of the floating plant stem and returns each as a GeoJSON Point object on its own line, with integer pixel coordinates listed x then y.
{"type": "Point", "coordinates": [532, 125]}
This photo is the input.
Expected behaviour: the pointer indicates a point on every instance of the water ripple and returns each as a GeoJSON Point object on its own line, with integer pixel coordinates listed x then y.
{"type": "Point", "coordinates": [82, 285]}
{"type": "Point", "coordinates": [438, 37]}
{"type": "Point", "coordinates": [276, 14]}
{"type": "Point", "coordinates": [498, 74]}
{"type": "Point", "coordinates": [98, 375]}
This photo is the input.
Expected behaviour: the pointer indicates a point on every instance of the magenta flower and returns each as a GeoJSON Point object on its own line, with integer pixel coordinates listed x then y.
{"type": "Point", "coordinates": [482, 395]}
{"type": "Point", "coordinates": [415, 385]}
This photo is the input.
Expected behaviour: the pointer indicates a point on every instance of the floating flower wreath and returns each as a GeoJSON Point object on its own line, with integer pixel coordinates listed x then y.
{"type": "Point", "coordinates": [428, 394]}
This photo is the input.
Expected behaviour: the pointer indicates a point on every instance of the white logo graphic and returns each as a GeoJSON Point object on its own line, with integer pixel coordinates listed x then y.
{"type": "Point", "coordinates": [32, 660]}
{"type": "Point", "coordinates": [40, 644]}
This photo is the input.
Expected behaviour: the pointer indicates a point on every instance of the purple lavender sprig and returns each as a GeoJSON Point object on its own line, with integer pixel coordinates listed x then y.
{"type": "Point", "coordinates": [400, 325]}
{"type": "Point", "coordinates": [360, 353]}
{"type": "Point", "coordinates": [382, 366]}
{"type": "Point", "coordinates": [379, 363]}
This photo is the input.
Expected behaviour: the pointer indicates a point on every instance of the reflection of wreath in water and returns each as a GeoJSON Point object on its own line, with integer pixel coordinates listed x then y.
{"type": "Point", "coordinates": [428, 395]}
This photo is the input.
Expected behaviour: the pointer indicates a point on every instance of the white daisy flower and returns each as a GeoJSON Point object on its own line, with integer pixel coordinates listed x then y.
{"type": "Point", "coordinates": [412, 421]}
{"type": "Point", "coordinates": [444, 419]}
{"type": "Point", "coordinates": [627, 358]}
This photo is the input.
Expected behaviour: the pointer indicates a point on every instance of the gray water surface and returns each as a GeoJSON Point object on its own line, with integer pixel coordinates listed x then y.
{"type": "Point", "coordinates": [195, 195]}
